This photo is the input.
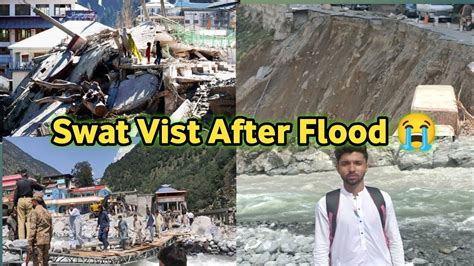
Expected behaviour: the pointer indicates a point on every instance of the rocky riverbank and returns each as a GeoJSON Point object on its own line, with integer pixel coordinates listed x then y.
{"type": "Point", "coordinates": [274, 243]}
{"type": "Point", "coordinates": [267, 244]}
{"type": "Point", "coordinates": [303, 160]}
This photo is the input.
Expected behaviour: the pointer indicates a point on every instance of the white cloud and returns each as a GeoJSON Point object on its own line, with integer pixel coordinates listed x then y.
{"type": "Point", "coordinates": [122, 151]}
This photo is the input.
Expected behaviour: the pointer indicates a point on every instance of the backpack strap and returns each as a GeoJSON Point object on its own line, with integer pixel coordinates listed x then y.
{"type": "Point", "coordinates": [332, 205]}
{"type": "Point", "coordinates": [379, 201]}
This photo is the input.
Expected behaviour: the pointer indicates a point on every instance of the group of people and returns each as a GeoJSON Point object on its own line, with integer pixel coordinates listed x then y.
{"type": "Point", "coordinates": [158, 52]}
{"type": "Point", "coordinates": [29, 219]}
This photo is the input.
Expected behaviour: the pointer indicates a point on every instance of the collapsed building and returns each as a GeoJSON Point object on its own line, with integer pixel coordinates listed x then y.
{"type": "Point", "coordinates": [103, 76]}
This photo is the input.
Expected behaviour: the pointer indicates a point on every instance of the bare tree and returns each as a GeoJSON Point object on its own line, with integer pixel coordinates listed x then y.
{"type": "Point", "coordinates": [163, 9]}
{"type": "Point", "coordinates": [126, 15]}
{"type": "Point", "coordinates": [145, 11]}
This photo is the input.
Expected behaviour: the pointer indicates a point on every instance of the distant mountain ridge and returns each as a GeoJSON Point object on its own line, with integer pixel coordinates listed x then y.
{"type": "Point", "coordinates": [15, 159]}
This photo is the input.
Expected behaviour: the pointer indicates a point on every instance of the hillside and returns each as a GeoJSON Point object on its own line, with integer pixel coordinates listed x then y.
{"type": "Point", "coordinates": [208, 174]}
{"type": "Point", "coordinates": [15, 159]}
{"type": "Point", "coordinates": [347, 67]}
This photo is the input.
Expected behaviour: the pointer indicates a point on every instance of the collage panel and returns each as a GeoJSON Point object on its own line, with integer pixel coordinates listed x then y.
{"type": "Point", "coordinates": [108, 60]}
{"type": "Point", "coordinates": [119, 205]}
{"type": "Point", "coordinates": [355, 63]}
{"type": "Point", "coordinates": [93, 67]}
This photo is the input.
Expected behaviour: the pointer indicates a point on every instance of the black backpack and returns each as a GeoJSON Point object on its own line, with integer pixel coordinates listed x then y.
{"type": "Point", "coordinates": [332, 205]}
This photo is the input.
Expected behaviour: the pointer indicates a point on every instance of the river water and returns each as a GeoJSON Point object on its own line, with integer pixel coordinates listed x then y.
{"type": "Point", "coordinates": [434, 207]}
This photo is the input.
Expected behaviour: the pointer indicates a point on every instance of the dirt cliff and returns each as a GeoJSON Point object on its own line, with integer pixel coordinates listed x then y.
{"type": "Point", "coordinates": [347, 67]}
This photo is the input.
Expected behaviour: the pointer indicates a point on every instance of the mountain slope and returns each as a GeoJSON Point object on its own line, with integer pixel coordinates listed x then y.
{"type": "Point", "coordinates": [15, 159]}
{"type": "Point", "coordinates": [208, 174]}
{"type": "Point", "coordinates": [349, 68]}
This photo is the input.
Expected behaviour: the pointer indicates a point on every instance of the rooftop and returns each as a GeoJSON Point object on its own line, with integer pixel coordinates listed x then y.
{"type": "Point", "coordinates": [168, 189]}
{"type": "Point", "coordinates": [49, 38]}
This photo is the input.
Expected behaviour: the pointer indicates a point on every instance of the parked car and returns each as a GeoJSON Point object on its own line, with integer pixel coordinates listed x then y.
{"type": "Point", "coordinates": [442, 12]}
{"type": "Point", "coordinates": [410, 11]}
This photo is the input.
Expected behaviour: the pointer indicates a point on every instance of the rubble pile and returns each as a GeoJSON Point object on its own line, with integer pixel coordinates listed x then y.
{"type": "Point", "coordinates": [105, 76]}
{"type": "Point", "coordinates": [205, 237]}
{"type": "Point", "coordinates": [202, 237]}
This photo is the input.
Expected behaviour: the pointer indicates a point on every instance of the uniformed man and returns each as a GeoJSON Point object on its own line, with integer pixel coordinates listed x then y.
{"type": "Point", "coordinates": [22, 201]}
{"type": "Point", "coordinates": [41, 232]}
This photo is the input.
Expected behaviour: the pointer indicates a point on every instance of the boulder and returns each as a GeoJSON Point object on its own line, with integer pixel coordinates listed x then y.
{"type": "Point", "coordinates": [203, 226]}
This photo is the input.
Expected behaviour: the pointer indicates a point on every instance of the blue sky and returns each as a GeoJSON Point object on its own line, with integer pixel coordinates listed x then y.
{"type": "Point", "coordinates": [64, 158]}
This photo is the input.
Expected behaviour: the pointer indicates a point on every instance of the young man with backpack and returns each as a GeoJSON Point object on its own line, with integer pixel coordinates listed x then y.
{"type": "Point", "coordinates": [356, 224]}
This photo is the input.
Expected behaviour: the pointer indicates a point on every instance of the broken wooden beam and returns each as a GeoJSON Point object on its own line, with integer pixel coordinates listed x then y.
{"type": "Point", "coordinates": [57, 85]}
{"type": "Point", "coordinates": [63, 99]}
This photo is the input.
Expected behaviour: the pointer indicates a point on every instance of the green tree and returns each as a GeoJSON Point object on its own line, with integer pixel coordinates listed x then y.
{"type": "Point", "coordinates": [82, 174]}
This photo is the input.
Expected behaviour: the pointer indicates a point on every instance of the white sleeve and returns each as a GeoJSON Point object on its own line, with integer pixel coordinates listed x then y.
{"type": "Point", "coordinates": [395, 244]}
{"type": "Point", "coordinates": [321, 245]}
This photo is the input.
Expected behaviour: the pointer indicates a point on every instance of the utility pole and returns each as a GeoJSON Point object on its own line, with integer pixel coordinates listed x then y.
{"type": "Point", "coordinates": [145, 11]}
{"type": "Point", "coordinates": [163, 9]}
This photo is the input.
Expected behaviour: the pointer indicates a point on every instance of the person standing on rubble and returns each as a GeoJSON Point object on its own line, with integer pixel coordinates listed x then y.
{"type": "Point", "coordinates": [123, 232]}
{"type": "Point", "coordinates": [148, 52]}
{"type": "Point", "coordinates": [159, 222]}
{"type": "Point", "coordinates": [12, 226]}
{"type": "Point", "coordinates": [466, 13]}
{"type": "Point", "coordinates": [22, 201]}
{"type": "Point", "coordinates": [191, 218]}
{"type": "Point", "coordinates": [159, 54]}
{"type": "Point", "coordinates": [137, 227]}
{"type": "Point", "coordinates": [150, 224]}
{"type": "Point", "coordinates": [75, 223]}
{"type": "Point", "coordinates": [103, 225]}
{"type": "Point", "coordinates": [41, 232]}
{"type": "Point", "coordinates": [168, 219]}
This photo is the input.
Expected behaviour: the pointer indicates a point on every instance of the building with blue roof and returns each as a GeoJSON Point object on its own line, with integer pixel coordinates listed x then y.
{"type": "Point", "coordinates": [169, 198]}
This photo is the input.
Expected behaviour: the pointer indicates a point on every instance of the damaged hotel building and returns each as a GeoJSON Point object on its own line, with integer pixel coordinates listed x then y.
{"type": "Point", "coordinates": [88, 70]}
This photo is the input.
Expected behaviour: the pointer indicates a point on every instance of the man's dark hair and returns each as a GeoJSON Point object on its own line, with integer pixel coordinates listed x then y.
{"type": "Point", "coordinates": [339, 151]}
{"type": "Point", "coordinates": [120, 217]}
{"type": "Point", "coordinates": [172, 256]}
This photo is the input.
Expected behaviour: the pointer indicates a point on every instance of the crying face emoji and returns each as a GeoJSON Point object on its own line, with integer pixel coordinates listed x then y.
{"type": "Point", "coordinates": [416, 132]}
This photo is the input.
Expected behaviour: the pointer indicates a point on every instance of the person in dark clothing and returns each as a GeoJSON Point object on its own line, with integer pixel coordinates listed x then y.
{"type": "Point", "coordinates": [172, 256]}
{"type": "Point", "coordinates": [150, 224]}
{"type": "Point", "coordinates": [22, 201]}
{"type": "Point", "coordinates": [103, 224]}
{"type": "Point", "coordinates": [159, 55]}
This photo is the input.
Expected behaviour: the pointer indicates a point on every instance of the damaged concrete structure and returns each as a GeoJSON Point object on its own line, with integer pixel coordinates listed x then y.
{"type": "Point", "coordinates": [103, 76]}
